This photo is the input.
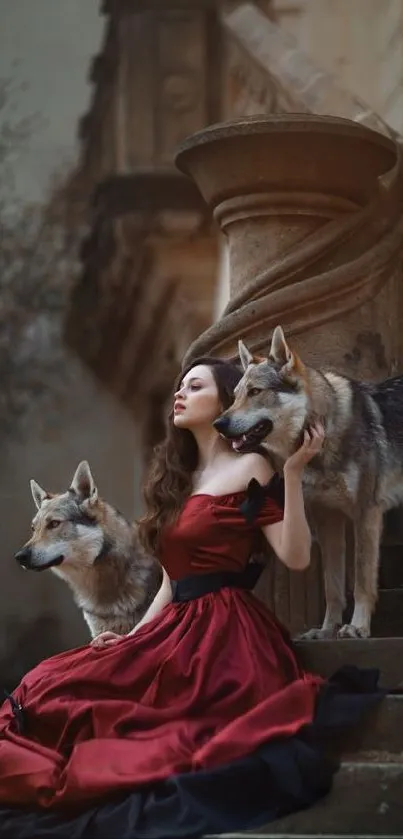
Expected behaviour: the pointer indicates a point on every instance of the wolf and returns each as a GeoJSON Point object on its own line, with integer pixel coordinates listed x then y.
{"type": "Point", "coordinates": [91, 546]}
{"type": "Point", "coordinates": [358, 474]}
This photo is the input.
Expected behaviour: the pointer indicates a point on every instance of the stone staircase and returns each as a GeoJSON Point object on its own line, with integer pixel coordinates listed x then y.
{"type": "Point", "coordinates": [371, 757]}
{"type": "Point", "coordinates": [375, 808]}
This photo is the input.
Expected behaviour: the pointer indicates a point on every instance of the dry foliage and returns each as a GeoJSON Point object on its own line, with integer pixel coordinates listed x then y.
{"type": "Point", "coordinates": [38, 260]}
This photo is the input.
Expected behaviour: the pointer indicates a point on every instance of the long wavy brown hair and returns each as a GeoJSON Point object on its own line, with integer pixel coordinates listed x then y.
{"type": "Point", "coordinates": [168, 481]}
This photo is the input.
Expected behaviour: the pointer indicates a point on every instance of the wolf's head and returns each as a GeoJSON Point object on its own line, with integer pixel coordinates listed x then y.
{"type": "Point", "coordinates": [68, 528]}
{"type": "Point", "coordinates": [272, 401]}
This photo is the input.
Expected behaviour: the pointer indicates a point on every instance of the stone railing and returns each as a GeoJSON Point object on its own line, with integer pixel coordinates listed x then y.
{"type": "Point", "coordinates": [268, 73]}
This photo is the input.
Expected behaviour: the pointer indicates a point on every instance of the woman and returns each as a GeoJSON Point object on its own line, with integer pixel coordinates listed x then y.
{"type": "Point", "coordinates": [202, 720]}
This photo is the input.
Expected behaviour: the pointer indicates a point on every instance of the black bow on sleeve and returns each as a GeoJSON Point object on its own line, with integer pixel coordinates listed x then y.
{"type": "Point", "coordinates": [256, 495]}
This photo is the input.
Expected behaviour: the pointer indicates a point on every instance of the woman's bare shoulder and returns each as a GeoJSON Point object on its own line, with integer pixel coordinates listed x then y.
{"type": "Point", "coordinates": [254, 465]}
{"type": "Point", "coordinates": [236, 475]}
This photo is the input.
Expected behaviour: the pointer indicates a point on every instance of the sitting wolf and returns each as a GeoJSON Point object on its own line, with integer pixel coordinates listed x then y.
{"type": "Point", "coordinates": [96, 551]}
{"type": "Point", "coordinates": [358, 474]}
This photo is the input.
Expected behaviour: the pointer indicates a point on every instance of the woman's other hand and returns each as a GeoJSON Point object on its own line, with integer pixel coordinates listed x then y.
{"type": "Point", "coordinates": [312, 445]}
{"type": "Point", "coordinates": [106, 639]}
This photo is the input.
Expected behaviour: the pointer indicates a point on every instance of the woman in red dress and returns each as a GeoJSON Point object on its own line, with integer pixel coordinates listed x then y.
{"type": "Point", "coordinates": [201, 720]}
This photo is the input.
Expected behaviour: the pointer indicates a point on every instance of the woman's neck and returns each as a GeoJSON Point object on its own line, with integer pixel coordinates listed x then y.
{"type": "Point", "coordinates": [210, 446]}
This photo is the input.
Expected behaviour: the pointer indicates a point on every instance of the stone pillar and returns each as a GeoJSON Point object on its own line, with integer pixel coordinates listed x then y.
{"type": "Point", "coordinates": [312, 210]}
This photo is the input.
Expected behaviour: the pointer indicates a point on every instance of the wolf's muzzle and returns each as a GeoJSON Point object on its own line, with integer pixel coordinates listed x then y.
{"type": "Point", "coordinates": [24, 557]}
{"type": "Point", "coordinates": [222, 424]}
{"type": "Point", "coordinates": [253, 435]}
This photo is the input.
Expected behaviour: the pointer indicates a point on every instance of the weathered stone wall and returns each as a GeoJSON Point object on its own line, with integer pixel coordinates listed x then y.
{"type": "Point", "coordinates": [360, 41]}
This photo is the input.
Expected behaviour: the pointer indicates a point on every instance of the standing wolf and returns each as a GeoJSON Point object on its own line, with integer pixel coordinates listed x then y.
{"type": "Point", "coordinates": [95, 550]}
{"type": "Point", "coordinates": [358, 474]}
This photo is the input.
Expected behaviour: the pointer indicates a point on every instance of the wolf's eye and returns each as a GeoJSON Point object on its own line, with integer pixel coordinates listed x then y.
{"type": "Point", "coordinates": [52, 524]}
{"type": "Point", "coordinates": [254, 391]}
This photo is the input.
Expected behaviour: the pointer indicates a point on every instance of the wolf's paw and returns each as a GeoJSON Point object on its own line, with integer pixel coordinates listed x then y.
{"type": "Point", "coordinates": [351, 631]}
{"type": "Point", "coordinates": [318, 634]}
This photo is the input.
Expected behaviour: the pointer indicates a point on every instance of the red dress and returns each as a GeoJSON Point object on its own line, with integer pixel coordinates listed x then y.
{"type": "Point", "coordinates": [206, 683]}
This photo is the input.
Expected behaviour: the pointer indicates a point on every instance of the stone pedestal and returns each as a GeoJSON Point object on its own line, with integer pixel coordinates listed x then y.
{"type": "Point", "coordinates": [312, 210]}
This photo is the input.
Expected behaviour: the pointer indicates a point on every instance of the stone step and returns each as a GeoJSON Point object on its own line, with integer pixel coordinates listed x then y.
{"type": "Point", "coordinates": [380, 732]}
{"type": "Point", "coordinates": [325, 657]}
{"type": "Point", "coordinates": [366, 800]}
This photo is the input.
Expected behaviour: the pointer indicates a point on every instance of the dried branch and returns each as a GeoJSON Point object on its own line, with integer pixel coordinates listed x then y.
{"type": "Point", "coordinates": [38, 260]}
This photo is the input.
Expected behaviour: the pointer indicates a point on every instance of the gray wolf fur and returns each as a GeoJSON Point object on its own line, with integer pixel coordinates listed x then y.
{"type": "Point", "coordinates": [91, 546]}
{"type": "Point", "coordinates": [358, 474]}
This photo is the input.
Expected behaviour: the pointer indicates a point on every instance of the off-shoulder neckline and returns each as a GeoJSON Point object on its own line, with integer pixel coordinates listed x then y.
{"type": "Point", "coordinates": [246, 491]}
{"type": "Point", "coordinates": [222, 495]}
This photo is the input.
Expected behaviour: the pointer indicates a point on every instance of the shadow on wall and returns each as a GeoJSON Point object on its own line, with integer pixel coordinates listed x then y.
{"type": "Point", "coordinates": [26, 645]}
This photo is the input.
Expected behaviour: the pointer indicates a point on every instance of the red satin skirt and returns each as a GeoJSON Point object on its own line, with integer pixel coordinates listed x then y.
{"type": "Point", "coordinates": [205, 683]}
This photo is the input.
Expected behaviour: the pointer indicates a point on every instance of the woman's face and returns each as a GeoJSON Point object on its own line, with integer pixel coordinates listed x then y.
{"type": "Point", "coordinates": [196, 402]}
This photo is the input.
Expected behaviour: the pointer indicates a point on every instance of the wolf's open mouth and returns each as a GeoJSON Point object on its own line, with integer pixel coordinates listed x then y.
{"type": "Point", "coordinates": [51, 564]}
{"type": "Point", "coordinates": [249, 441]}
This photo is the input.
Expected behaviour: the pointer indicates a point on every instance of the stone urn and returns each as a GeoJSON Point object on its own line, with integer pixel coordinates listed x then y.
{"type": "Point", "coordinates": [311, 207]}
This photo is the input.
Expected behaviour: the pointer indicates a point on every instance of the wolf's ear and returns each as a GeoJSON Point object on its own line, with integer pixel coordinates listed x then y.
{"type": "Point", "coordinates": [38, 494]}
{"type": "Point", "coordinates": [245, 356]}
{"type": "Point", "coordinates": [279, 349]}
{"type": "Point", "coordinates": [83, 483]}
{"type": "Point", "coordinates": [281, 352]}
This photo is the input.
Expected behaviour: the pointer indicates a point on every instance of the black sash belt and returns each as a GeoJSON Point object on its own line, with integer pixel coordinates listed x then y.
{"type": "Point", "coordinates": [189, 588]}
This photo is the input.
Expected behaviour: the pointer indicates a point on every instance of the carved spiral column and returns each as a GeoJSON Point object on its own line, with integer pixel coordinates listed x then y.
{"type": "Point", "coordinates": [312, 208]}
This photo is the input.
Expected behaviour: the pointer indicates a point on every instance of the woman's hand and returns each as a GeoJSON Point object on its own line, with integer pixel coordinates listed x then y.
{"type": "Point", "coordinates": [291, 538]}
{"type": "Point", "coordinates": [311, 446]}
{"type": "Point", "coordinates": [106, 639]}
